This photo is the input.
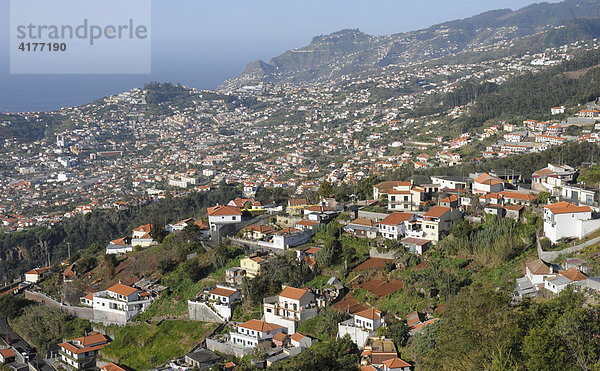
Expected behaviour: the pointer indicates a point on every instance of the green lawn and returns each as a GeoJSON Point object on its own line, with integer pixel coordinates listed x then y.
{"type": "Point", "coordinates": [144, 346]}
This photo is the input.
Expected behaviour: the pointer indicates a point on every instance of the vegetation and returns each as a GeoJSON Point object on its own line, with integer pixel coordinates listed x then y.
{"type": "Point", "coordinates": [147, 345]}
{"type": "Point", "coordinates": [13, 306]}
{"type": "Point", "coordinates": [43, 326]}
{"type": "Point", "coordinates": [98, 228]}
{"type": "Point", "coordinates": [338, 354]}
{"type": "Point", "coordinates": [481, 330]}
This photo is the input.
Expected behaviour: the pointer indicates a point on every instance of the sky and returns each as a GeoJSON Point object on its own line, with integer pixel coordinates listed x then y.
{"type": "Point", "coordinates": [201, 43]}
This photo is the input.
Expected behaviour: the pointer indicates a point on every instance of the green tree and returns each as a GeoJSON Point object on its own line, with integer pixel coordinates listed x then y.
{"type": "Point", "coordinates": [329, 254]}
{"type": "Point", "coordinates": [325, 189]}
{"type": "Point", "coordinates": [338, 354]}
{"type": "Point", "coordinates": [158, 232]}
{"type": "Point", "coordinates": [13, 306]}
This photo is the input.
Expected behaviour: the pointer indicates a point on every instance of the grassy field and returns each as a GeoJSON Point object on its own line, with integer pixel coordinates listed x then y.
{"type": "Point", "coordinates": [145, 346]}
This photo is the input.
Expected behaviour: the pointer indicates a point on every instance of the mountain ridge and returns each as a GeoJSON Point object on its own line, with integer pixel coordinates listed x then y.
{"type": "Point", "coordinates": [351, 51]}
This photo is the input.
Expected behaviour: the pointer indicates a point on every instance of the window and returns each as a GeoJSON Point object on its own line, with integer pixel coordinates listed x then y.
{"type": "Point", "coordinates": [233, 218]}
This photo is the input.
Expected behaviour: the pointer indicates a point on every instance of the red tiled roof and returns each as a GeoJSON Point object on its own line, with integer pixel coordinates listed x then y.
{"type": "Point", "coordinates": [573, 274]}
{"type": "Point", "coordinates": [121, 289]}
{"type": "Point", "coordinates": [437, 211]}
{"type": "Point", "coordinates": [111, 367]}
{"type": "Point", "coordinates": [7, 353]}
{"type": "Point", "coordinates": [221, 291]}
{"type": "Point", "coordinates": [223, 210]}
{"type": "Point", "coordinates": [564, 207]}
{"type": "Point", "coordinates": [396, 218]}
{"type": "Point", "coordinates": [370, 313]}
{"type": "Point", "coordinates": [293, 293]}
{"type": "Point", "coordinates": [396, 363]}
{"type": "Point", "coordinates": [297, 336]}
{"type": "Point", "coordinates": [261, 326]}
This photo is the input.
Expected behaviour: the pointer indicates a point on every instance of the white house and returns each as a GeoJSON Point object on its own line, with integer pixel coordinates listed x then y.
{"type": "Point", "coordinates": [119, 246]}
{"type": "Point", "coordinates": [437, 222]}
{"type": "Point", "coordinates": [81, 353]}
{"type": "Point", "coordinates": [290, 308]}
{"type": "Point", "coordinates": [566, 278]}
{"type": "Point", "coordinates": [222, 214]}
{"type": "Point", "coordinates": [215, 305]}
{"type": "Point", "coordinates": [251, 332]}
{"type": "Point", "coordinates": [537, 271]}
{"type": "Point", "coordinates": [36, 274]}
{"type": "Point", "coordinates": [118, 303]}
{"type": "Point", "coordinates": [451, 182]}
{"type": "Point", "coordinates": [395, 225]}
{"type": "Point", "coordinates": [298, 340]}
{"type": "Point", "coordinates": [362, 325]}
{"type": "Point", "coordinates": [486, 183]}
{"type": "Point", "coordinates": [579, 194]}
{"type": "Point", "coordinates": [396, 364]}
{"type": "Point", "coordinates": [564, 219]}
{"type": "Point", "coordinates": [141, 236]}
{"type": "Point", "coordinates": [551, 178]}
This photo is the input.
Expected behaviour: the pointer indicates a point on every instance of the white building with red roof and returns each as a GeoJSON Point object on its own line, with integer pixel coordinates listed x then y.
{"type": "Point", "coordinates": [564, 219]}
{"type": "Point", "coordinates": [222, 215]}
{"type": "Point", "coordinates": [396, 364]}
{"type": "Point", "coordinates": [81, 353]}
{"type": "Point", "coordinates": [396, 225]}
{"type": "Point", "coordinates": [215, 305]}
{"type": "Point", "coordinates": [118, 303]}
{"type": "Point", "coordinates": [250, 333]}
{"type": "Point", "coordinates": [290, 308]}
{"type": "Point", "coordinates": [486, 183]}
{"type": "Point", "coordinates": [361, 326]}
{"type": "Point", "coordinates": [36, 274]}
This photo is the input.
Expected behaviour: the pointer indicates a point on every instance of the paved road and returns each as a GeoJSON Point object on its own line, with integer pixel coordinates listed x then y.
{"type": "Point", "coordinates": [6, 332]}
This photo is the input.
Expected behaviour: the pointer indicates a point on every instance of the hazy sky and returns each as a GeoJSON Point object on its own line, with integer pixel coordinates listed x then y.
{"type": "Point", "coordinates": [201, 43]}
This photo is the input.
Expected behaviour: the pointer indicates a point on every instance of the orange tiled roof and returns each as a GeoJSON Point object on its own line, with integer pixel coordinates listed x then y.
{"type": "Point", "coordinates": [396, 218]}
{"type": "Point", "coordinates": [223, 210]}
{"type": "Point", "coordinates": [370, 313]}
{"type": "Point", "coordinates": [396, 363]}
{"type": "Point", "coordinates": [573, 274]}
{"type": "Point", "coordinates": [121, 289]}
{"type": "Point", "coordinates": [293, 293]}
{"type": "Point", "coordinates": [261, 326]}
{"type": "Point", "coordinates": [564, 207]}
{"type": "Point", "coordinates": [437, 211]}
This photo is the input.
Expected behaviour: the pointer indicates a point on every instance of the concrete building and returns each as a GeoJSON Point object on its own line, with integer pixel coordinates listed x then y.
{"type": "Point", "coordinates": [222, 215]}
{"type": "Point", "coordinates": [486, 183]}
{"type": "Point", "coordinates": [564, 219]}
{"type": "Point", "coordinates": [81, 353]}
{"type": "Point", "coordinates": [214, 305]}
{"type": "Point", "coordinates": [118, 303]}
{"type": "Point", "coordinates": [395, 225]}
{"type": "Point", "coordinates": [290, 308]}
{"type": "Point", "coordinates": [552, 178]}
{"type": "Point", "coordinates": [250, 333]}
{"type": "Point", "coordinates": [361, 326]}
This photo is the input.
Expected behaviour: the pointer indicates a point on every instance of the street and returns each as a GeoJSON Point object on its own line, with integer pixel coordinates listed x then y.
{"type": "Point", "coordinates": [6, 332]}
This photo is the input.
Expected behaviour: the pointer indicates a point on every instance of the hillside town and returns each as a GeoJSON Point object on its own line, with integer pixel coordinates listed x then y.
{"type": "Point", "coordinates": [400, 219]}
{"type": "Point", "coordinates": [121, 151]}
{"type": "Point", "coordinates": [409, 217]}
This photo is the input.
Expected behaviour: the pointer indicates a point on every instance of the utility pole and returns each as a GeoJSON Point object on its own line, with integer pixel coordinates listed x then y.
{"type": "Point", "coordinates": [69, 248]}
